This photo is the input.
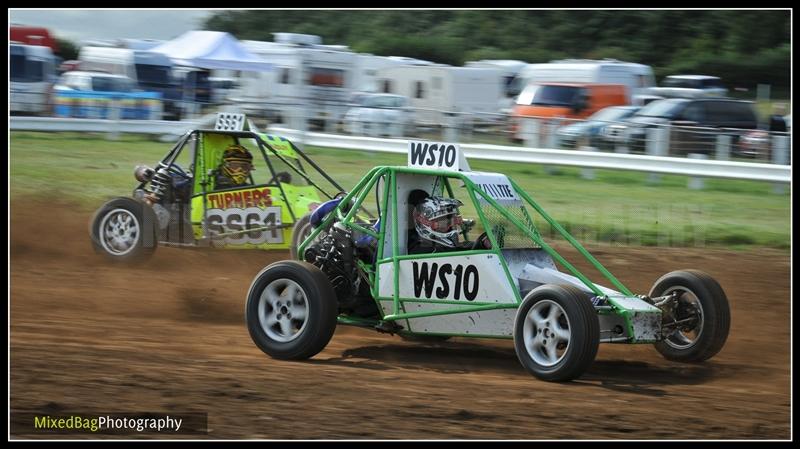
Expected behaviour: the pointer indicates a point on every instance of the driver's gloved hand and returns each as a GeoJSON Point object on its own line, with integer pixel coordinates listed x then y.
{"type": "Point", "coordinates": [467, 225]}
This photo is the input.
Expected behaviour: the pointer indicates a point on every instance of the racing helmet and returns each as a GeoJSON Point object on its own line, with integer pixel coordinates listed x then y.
{"type": "Point", "coordinates": [437, 219]}
{"type": "Point", "coordinates": [237, 163]}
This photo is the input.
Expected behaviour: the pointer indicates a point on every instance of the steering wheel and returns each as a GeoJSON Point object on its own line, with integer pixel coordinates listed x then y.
{"type": "Point", "coordinates": [482, 242]}
{"type": "Point", "coordinates": [282, 177]}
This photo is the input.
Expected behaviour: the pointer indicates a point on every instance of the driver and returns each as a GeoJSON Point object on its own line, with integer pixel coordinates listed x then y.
{"type": "Point", "coordinates": [234, 171]}
{"type": "Point", "coordinates": [437, 224]}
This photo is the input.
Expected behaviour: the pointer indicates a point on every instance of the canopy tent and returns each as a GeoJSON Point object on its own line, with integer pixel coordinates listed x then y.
{"type": "Point", "coordinates": [211, 50]}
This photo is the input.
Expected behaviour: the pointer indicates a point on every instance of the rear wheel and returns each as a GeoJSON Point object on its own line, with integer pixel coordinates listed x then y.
{"type": "Point", "coordinates": [300, 231]}
{"type": "Point", "coordinates": [291, 310]}
{"type": "Point", "coordinates": [697, 319]}
{"type": "Point", "coordinates": [556, 332]}
{"type": "Point", "coordinates": [124, 230]}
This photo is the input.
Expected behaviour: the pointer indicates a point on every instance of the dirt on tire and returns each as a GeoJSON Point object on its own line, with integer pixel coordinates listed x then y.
{"type": "Point", "coordinates": [88, 336]}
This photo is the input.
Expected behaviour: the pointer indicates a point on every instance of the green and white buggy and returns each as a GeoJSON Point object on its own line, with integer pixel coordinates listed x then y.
{"type": "Point", "coordinates": [177, 204]}
{"type": "Point", "coordinates": [358, 272]}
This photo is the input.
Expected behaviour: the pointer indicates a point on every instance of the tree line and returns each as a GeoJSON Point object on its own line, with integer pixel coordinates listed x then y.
{"type": "Point", "coordinates": [744, 47]}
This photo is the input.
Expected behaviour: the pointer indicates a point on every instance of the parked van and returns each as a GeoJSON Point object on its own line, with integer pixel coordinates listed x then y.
{"type": "Point", "coordinates": [150, 71]}
{"type": "Point", "coordinates": [32, 69]}
{"type": "Point", "coordinates": [638, 79]}
{"type": "Point", "coordinates": [573, 101]}
{"type": "Point", "coordinates": [568, 100]}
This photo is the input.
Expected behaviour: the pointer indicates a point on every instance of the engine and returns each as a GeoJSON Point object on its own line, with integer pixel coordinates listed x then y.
{"type": "Point", "coordinates": [336, 254]}
{"type": "Point", "coordinates": [168, 195]}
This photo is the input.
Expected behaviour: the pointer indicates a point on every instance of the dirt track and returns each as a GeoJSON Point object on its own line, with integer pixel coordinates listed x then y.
{"type": "Point", "coordinates": [170, 336]}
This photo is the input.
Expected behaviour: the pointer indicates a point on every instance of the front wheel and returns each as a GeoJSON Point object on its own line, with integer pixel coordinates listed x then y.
{"type": "Point", "coordinates": [291, 310]}
{"type": "Point", "coordinates": [556, 332]}
{"type": "Point", "coordinates": [124, 230]}
{"type": "Point", "coordinates": [697, 320]}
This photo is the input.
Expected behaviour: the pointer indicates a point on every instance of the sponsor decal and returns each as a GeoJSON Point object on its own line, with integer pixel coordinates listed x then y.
{"type": "Point", "coordinates": [240, 199]}
{"type": "Point", "coordinates": [472, 278]}
{"type": "Point", "coordinates": [498, 191]}
{"type": "Point", "coordinates": [447, 156]}
{"type": "Point", "coordinates": [462, 281]}
{"type": "Point", "coordinates": [496, 186]}
{"type": "Point", "coordinates": [227, 121]}
{"type": "Point", "coordinates": [249, 225]}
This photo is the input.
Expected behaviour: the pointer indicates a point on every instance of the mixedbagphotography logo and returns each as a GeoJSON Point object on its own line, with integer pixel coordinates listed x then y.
{"type": "Point", "coordinates": [173, 423]}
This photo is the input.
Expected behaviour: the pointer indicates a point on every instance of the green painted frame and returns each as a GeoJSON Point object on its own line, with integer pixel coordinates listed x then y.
{"type": "Point", "coordinates": [359, 193]}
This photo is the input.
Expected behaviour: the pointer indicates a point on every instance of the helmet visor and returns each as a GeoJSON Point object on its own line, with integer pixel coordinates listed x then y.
{"type": "Point", "coordinates": [445, 223]}
{"type": "Point", "coordinates": [238, 171]}
{"type": "Point", "coordinates": [239, 165]}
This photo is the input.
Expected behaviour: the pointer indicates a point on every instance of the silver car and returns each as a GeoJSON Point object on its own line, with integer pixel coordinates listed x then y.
{"type": "Point", "coordinates": [690, 86]}
{"type": "Point", "coordinates": [379, 115]}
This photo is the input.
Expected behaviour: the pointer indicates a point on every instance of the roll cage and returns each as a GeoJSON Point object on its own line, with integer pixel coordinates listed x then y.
{"type": "Point", "coordinates": [206, 147]}
{"type": "Point", "coordinates": [390, 236]}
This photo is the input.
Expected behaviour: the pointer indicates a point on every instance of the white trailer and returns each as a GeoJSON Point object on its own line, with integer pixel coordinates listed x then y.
{"type": "Point", "coordinates": [512, 84]}
{"type": "Point", "coordinates": [638, 78]}
{"type": "Point", "coordinates": [310, 80]}
{"type": "Point", "coordinates": [366, 73]}
{"type": "Point", "coordinates": [511, 69]}
{"type": "Point", "coordinates": [437, 91]}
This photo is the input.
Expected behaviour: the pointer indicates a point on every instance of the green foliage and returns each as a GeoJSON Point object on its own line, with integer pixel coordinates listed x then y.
{"type": "Point", "coordinates": [744, 47]}
{"type": "Point", "coordinates": [768, 66]}
{"type": "Point", "coordinates": [66, 49]}
{"type": "Point", "coordinates": [445, 50]}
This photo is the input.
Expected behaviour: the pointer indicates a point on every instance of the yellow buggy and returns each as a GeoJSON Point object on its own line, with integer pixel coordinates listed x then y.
{"type": "Point", "coordinates": [178, 204]}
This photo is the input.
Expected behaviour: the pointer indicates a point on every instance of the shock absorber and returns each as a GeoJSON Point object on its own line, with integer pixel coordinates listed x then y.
{"type": "Point", "coordinates": [159, 183]}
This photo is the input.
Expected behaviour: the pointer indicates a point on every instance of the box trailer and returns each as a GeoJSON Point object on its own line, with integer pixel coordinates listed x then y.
{"type": "Point", "coordinates": [310, 80]}
{"type": "Point", "coordinates": [437, 91]}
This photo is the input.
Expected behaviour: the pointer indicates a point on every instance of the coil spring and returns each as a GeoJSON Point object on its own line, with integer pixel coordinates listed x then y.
{"type": "Point", "coordinates": [160, 182]}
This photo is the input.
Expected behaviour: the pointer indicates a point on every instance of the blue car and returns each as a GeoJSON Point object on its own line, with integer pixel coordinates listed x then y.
{"type": "Point", "coordinates": [590, 131]}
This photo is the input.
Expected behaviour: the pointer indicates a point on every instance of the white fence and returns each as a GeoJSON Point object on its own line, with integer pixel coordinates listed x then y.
{"type": "Point", "coordinates": [588, 159]}
{"type": "Point", "coordinates": [157, 127]}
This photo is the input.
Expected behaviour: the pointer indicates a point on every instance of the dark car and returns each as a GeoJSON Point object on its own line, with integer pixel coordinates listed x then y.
{"type": "Point", "coordinates": [694, 123]}
{"type": "Point", "coordinates": [758, 143]}
{"type": "Point", "coordinates": [591, 130]}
